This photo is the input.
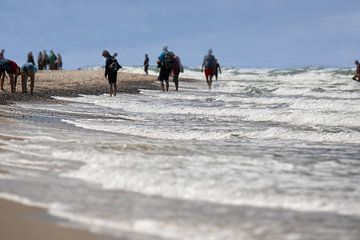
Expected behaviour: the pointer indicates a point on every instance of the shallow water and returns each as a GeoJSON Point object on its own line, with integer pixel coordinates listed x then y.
{"type": "Point", "coordinates": [266, 154]}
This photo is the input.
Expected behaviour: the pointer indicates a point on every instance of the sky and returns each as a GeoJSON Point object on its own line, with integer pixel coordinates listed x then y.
{"type": "Point", "coordinates": [242, 33]}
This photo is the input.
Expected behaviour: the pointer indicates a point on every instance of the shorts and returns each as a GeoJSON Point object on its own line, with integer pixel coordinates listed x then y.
{"type": "Point", "coordinates": [209, 72]}
{"type": "Point", "coordinates": [112, 77]}
{"type": "Point", "coordinates": [164, 74]}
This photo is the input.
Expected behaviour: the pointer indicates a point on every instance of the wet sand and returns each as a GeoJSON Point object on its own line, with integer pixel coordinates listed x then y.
{"type": "Point", "coordinates": [19, 222]}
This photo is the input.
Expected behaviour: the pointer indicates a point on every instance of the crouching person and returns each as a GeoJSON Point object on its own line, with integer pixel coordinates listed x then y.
{"type": "Point", "coordinates": [28, 70]}
{"type": "Point", "coordinates": [13, 71]}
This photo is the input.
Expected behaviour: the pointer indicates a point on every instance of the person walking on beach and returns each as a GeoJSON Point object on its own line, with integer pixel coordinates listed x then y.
{"type": "Point", "coordinates": [13, 71]}
{"type": "Point", "coordinates": [146, 64]}
{"type": "Point", "coordinates": [357, 71]}
{"type": "Point", "coordinates": [217, 69]}
{"type": "Point", "coordinates": [178, 67]}
{"type": "Point", "coordinates": [28, 70]}
{"type": "Point", "coordinates": [209, 65]}
{"type": "Point", "coordinates": [111, 68]}
{"type": "Point", "coordinates": [45, 60]}
{"type": "Point", "coordinates": [52, 60]}
{"type": "Point", "coordinates": [30, 58]}
{"type": "Point", "coordinates": [40, 61]}
{"type": "Point", "coordinates": [2, 54]}
{"type": "Point", "coordinates": [59, 62]}
{"type": "Point", "coordinates": [166, 64]}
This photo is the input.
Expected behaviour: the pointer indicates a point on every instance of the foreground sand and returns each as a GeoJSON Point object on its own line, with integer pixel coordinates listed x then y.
{"type": "Point", "coordinates": [19, 222]}
{"type": "Point", "coordinates": [72, 83]}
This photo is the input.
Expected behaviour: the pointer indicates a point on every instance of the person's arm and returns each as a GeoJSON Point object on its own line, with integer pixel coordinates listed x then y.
{"type": "Point", "coordinates": [203, 64]}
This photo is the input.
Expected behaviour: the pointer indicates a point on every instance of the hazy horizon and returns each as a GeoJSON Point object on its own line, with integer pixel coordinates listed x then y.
{"type": "Point", "coordinates": [243, 33]}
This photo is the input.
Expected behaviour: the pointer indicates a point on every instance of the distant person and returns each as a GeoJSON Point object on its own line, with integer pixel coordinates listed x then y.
{"type": "Point", "coordinates": [217, 69]}
{"type": "Point", "coordinates": [45, 60]}
{"type": "Point", "coordinates": [357, 71]}
{"type": "Point", "coordinates": [59, 62]}
{"type": "Point", "coordinates": [146, 64]}
{"type": "Point", "coordinates": [166, 64]}
{"type": "Point", "coordinates": [178, 68]}
{"type": "Point", "coordinates": [111, 68]}
{"type": "Point", "coordinates": [30, 58]}
{"type": "Point", "coordinates": [13, 71]}
{"type": "Point", "coordinates": [2, 54]}
{"type": "Point", "coordinates": [52, 60]}
{"type": "Point", "coordinates": [2, 73]}
{"type": "Point", "coordinates": [28, 70]}
{"type": "Point", "coordinates": [40, 61]}
{"type": "Point", "coordinates": [209, 65]}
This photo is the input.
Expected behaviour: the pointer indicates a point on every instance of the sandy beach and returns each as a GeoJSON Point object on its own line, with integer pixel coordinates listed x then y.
{"type": "Point", "coordinates": [72, 83]}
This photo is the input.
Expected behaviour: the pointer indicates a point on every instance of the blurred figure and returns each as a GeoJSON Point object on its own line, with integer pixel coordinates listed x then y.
{"type": "Point", "coordinates": [209, 65]}
{"type": "Point", "coordinates": [59, 62]}
{"type": "Point", "coordinates": [45, 60]}
{"type": "Point", "coordinates": [217, 69]}
{"type": "Point", "coordinates": [30, 58]}
{"type": "Point", "coordinates": [111, 68]}
{"type": "Point", "coordinates": [146, 64]}
{"type": "Point", "coordinates": [357, 71]}
{"type": "Point", "coordinates": [178, 67]}
{"type": "Point", "coordinates": [13, 71]}
{"type": "Point", "coordinates": [40, 61]}
{"type": "Point", "coordinates": [28, 70]}
{"type": "Point", "coordinates": [52, 60]}
{"type": "Point", "coordinates": [166, 64]}
{"type": "Point", "coordinates": [2, 54]}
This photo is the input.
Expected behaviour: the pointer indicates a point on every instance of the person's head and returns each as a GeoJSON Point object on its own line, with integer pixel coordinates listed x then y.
{"type": "Point", "coordinates": [357, 62]}
{"type": "Point", "coordinates": [105, 54]}
{"type": "Point", "coordinates": [165, 48]}
{"type": "Point", "coordinates": [146, 55]}
{"type": "Point", "coordinates": [210, 51]}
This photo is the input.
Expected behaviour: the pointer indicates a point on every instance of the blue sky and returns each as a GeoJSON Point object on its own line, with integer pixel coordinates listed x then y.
{"type": "Point", "coordinates": [243, 33]}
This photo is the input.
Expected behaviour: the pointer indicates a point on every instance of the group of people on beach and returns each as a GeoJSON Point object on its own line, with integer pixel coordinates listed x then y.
{"type": "Point", "coordinates": [169, 64]}
{"type": "Point", "coordinates": [52, 61]}
{"type": "Point", "coordinates": [12, 70]}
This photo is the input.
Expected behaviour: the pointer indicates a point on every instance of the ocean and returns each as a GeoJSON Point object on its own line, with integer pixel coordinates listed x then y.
{"type": "Point", "coordinates": [265, 154]}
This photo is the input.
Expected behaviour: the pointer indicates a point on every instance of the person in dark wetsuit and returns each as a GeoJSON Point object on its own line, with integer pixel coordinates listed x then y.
{"type": "Point", "coordinates": [30, 58]}
{"type": "Point", "coordinates": [146, 64]}
{"type": "Point", "coordinates": [217, 69]}
{"type": "Point", "coordinates": [357, 71]}
{"type": "Point", "coordinates": [110, 74]}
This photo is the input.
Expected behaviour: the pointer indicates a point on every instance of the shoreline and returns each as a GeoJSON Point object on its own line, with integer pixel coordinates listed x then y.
{"type": "Point", "coordinates": [18, 221]}
{"type": "Point", "coordinates": [71, 83]}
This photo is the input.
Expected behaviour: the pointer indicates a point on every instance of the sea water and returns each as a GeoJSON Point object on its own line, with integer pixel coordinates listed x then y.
{"type": "Point", "coordinates": [265, 154]}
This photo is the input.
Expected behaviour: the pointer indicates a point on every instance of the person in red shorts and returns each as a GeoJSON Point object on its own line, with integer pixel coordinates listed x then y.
{"type": "Point", "coordinates": [12, 69]}
{"type": "Point", "coordinates": [209, 63]}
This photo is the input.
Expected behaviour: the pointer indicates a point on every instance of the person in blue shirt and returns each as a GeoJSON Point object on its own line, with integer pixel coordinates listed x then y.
{"type": "Point", "coordinates": [28, 70]}
{"type": "Point", "coordinates": [165, 69]}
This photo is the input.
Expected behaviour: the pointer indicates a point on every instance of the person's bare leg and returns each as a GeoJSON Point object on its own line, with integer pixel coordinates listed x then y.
{"type": "Point", "coordinates": [23, 82]}
{"type": "Point", "coordinates": [162, 86]}
{"type": "Point", "coordinates": [2, 81]}
{"type": "Point", "coordinates": [32, 83]}
{"type": "Point", "coordinates": [12, 87]}
{"type": "Point", "coordinates": [111, 89]}
{"type": "Point", "coordinates": [115, 89]}
{"type": "Point", "coordinates": [167, 86]}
